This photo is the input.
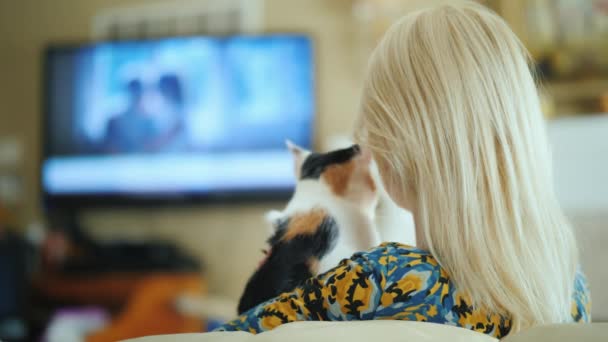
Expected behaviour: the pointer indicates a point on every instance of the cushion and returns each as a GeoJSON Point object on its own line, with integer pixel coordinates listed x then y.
{"type": "Point", "coordinates": [352, 331]}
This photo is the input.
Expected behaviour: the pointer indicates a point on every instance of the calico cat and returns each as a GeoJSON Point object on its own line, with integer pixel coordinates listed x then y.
{"type": "Point", "coordinates": [329, 217]}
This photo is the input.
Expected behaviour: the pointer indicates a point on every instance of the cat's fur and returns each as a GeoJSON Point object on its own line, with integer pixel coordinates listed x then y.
{"type": "Point", "coordinates": [329, 217]}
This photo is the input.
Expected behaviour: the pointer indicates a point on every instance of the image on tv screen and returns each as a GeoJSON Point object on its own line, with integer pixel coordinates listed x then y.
{"type": "Point", "coordinates": [190, 114]}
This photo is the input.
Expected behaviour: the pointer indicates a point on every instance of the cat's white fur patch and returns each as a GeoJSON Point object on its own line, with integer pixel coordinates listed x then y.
{"type": "Point", "coordinates": [357, 231]}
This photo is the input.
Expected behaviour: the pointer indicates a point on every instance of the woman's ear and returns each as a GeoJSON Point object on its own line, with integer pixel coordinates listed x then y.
{"type": "Point", "coordinates": [299, 155]}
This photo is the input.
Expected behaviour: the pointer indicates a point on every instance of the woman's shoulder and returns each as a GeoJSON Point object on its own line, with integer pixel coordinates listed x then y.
{"type": "Point", "coordinates": [397, 249]}
{"type": "Point", "coordinates": [392, 254]}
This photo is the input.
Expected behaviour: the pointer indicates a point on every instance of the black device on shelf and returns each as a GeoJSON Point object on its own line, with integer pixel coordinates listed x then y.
{"type": "Point", "coordinates": [119, 256]}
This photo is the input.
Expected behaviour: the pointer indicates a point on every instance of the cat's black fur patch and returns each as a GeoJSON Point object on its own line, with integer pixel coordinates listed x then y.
{"type": "Point", "coordinates": [288, 262]}
{"type": "Point", "coordinates": [316, 163]}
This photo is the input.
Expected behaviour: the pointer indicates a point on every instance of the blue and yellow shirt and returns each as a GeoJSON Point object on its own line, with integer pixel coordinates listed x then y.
{"type": "Point", "coordinates": [392, 281]}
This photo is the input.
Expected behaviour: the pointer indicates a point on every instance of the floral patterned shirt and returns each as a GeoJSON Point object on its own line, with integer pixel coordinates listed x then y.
{"type": "Point", "coordinates": [392, 281]}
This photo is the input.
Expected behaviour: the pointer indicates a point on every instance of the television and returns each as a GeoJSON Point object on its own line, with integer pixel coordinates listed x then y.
{"type": "Point", "coordinates": [175, 119]}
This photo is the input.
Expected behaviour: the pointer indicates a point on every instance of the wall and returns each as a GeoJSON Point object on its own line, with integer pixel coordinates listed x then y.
{"type": "Point", "coordinates": [226, 238]}
{"type": "Point", "coordinates": [580, 150]}
{"type": "Point", "coordinates": [580, 147]}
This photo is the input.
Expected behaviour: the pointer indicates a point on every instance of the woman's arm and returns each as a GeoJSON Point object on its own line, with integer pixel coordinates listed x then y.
{"type": "Point", "coordinates": [351, 291]}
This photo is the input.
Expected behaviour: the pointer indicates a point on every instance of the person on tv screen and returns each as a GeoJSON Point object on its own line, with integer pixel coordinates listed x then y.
{"type": "Point", "coordinates": [170, 119]}
{"type": "Point", "coordinates": [129, 131]}
{"type": "Point", "coordinates": [153, 120]}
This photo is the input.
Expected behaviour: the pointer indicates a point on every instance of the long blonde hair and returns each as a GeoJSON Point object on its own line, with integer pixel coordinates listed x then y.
{"type": "Point", "coordinates": [451, 110]}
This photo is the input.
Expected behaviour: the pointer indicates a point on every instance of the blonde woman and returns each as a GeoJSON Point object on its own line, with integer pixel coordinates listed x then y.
{"type": "Point", "coordinates": [451, 114]}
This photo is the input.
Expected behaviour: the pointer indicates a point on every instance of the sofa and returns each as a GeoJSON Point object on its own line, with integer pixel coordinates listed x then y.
{"type": "Point", "coordinates": [388, 331]}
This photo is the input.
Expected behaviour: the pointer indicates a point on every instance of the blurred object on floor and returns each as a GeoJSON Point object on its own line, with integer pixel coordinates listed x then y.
{"type": "Point", "coordinates": [150, 309]}
{"type": "Point", "coordinates": [73, 324]}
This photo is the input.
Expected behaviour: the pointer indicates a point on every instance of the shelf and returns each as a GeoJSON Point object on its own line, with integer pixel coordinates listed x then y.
{"type": "Point", "coordinates": [562, 91]}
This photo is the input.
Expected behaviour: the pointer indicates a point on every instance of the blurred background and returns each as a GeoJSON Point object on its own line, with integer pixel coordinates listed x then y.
{"type": "Point", "coordinates": [141, 143]}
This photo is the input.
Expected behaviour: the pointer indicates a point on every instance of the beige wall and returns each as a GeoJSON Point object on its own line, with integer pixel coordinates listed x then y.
{"type": "Point", "coordinates": [228, 239]}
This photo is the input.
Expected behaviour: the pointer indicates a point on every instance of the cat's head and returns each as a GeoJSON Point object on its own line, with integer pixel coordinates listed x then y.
{"type": "Point", "coordinates": [339, 180]}
{"type": "Point", "coordinates": [343, 174]}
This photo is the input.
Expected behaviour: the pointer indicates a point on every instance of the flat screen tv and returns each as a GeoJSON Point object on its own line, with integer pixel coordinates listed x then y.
{"type": "Point", "coordinates": [175, 119]}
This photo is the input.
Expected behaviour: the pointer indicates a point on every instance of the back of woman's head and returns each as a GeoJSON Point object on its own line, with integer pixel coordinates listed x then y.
{"type": "Point", "coordinates": [451, 113]}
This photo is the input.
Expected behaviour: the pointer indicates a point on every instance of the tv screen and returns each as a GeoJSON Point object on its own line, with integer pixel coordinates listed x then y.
{"type": "Point", "coordinates": [176, 117]}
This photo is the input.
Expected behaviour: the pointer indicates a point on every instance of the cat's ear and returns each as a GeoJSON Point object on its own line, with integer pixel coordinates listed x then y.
{"type": "Point", "coordinates": [294, 149]}
{"type": "Point", "coordinates": [299, 155]}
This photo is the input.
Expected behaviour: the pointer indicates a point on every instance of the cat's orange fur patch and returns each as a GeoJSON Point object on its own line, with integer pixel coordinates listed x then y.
{"type": "Point", "coordinates": [304, 224]}
{"type": "Point", "coordinates": [337, 177]}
